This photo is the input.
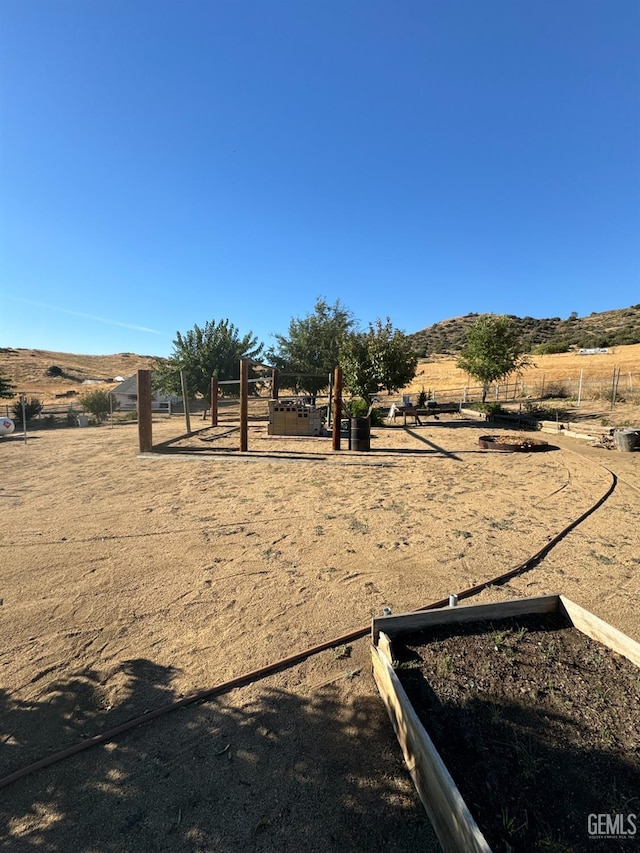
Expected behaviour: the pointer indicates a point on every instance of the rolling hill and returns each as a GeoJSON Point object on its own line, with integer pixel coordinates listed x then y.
{"type": "Point", "coordinates": [605, 329]}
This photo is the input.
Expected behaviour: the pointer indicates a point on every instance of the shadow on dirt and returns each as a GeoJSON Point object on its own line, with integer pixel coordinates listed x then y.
{"type": "Point", "coordinates": [268, 771]}
{"type": "Point", "coordinates": [530, 768]}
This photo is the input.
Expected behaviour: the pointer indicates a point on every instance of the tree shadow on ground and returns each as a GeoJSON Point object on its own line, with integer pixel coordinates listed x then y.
{"type": "Point", "coordinates": [257, 769]}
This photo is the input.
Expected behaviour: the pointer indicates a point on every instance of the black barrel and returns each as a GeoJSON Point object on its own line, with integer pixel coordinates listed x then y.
{"type": "Point", "coordinates": [360, 434]}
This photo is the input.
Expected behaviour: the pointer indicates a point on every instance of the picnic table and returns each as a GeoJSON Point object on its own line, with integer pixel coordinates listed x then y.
{"type": "Point", "coordinates": [432, 408]}
{"type": "Point", "coordinates": [415, 413]}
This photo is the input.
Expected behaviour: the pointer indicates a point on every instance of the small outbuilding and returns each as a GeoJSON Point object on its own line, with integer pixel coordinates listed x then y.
{"type": "Point", "coordinates": [126, 395]}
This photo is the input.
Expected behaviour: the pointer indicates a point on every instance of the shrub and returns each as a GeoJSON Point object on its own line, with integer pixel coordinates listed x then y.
{"type": "Point", "coordinates": [32, 408]}
{"type": "Point", "coordinates": [557, 390]}
{"type": "Point", "coordinates": [358, 408]}
{"type": "Point", "coordinates": [545, 413]}
{"type": "Point", "coordinates": [6, 388]}
{"type": "Point", "coordinates": [487, 408]}
{"type": "Point", "coordinates": [551, 347]}
{"type": "Point", "coordinates": [98, 404]}
{"type": "Point", "coordinates": [54, 370]}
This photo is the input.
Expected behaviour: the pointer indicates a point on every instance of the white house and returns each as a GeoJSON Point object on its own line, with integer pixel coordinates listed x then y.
{"type": "Point", "coordinates": [126, 395]}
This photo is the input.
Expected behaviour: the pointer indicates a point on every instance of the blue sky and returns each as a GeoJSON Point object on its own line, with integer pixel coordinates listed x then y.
{"type": "Point", "coordinates": [167, 163]}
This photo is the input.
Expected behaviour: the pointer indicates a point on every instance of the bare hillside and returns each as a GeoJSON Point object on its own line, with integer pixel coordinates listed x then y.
{"type": "Point", "coordinates": [49, 375]}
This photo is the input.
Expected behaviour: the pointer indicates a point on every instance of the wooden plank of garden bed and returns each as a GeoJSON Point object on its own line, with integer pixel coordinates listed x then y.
{"type": "Point", "coordinates": [406, 623]}
{"type": "Point", "coordinates": [600, 631]}
{"type": "Point", "coordinates": [451, 819]}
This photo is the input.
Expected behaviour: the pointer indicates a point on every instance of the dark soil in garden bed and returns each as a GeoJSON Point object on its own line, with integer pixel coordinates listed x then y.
{"type": "Point", "coordinates": [538, 725]}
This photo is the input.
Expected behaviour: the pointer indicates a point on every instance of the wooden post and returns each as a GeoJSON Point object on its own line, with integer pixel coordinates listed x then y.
{"type": "Point", "coordinates": [580, 387]}
{"type": "Point", "coordinates": [214, 401]}
{"type": "Point", "coordinates": [244, 405]}
{"type": "Point", "coordinates": [24, 415]}
{"type": "Point", "coordinates": [337, 407]}
{"type": "Point", "coordinates": [145, 434]}
{"type": "Point", "coordinates": [275, 383]}
{"type": "Point", "coordinates": [185, 401]}
{"type": "Point", "coordinates": [614, 386]}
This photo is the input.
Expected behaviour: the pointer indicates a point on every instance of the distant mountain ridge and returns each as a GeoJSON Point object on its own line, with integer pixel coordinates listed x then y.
{"type": "Point", "coordinates": [605, 329]}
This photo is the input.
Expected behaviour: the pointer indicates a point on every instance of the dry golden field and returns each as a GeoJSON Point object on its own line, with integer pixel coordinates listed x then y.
{"type": "Point", "coordinates": [440, 372]}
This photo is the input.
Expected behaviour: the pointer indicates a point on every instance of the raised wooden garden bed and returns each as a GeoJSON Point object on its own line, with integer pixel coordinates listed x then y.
{"type": "Point", "coordinates": [517, 720]}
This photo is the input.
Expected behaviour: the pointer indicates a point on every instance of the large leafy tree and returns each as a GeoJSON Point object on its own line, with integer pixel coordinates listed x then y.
{"type": "Point", "coordinates": [493, 351]}
{"type": "Point", "coordinates": [380, 359]}
{"type": "Point", "coordinates": [312, 346]}
{"type": "Point", "coordinates": [201, 353]}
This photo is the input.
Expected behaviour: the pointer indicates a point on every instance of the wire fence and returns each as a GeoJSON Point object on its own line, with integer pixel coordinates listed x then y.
{"type": "Point", "coordinates": [619, 387]}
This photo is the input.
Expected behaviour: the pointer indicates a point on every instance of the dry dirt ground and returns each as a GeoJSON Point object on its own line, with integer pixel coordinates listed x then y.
{"type": "Point", "coordinates": [128, 582]}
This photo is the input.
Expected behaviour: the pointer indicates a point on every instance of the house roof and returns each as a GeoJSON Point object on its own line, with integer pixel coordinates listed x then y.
{"type": "Point", "coordinates": [129, 386]}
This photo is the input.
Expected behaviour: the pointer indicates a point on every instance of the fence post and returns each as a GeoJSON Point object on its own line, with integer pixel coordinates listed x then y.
{"type": "Point", "coordinates": [337, 407]}
{"type": "Point", "coordinates": [614, 387]}
{"type": "Point", "coordinates": [24, 416]}
{"type": "Point", "coordinates": [275, 383]}
{"type": "Point", "coordinates": [244, 405]}
{"type": "Point", "coordinates": [580, 387]}
{"type": "Point", "coordinates": [185, 401]}
{"type": "Point", "coordinates": [145, 434]}
{"type": "Point", "coordinates": [214, 401]}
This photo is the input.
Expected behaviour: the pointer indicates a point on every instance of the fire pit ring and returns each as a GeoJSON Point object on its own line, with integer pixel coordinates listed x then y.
{"type": "Point", "coordinates": [511, 444]}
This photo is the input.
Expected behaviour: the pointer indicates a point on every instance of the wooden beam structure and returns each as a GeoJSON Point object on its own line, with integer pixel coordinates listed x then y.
{"type": "Point", "coordinates": [449, 814]}
{"type": "Point", "coordinates": [185, 401]}
{"type": "Point", "coordinates": [214, 401]}
{"type": "Point", "coordinates": [337, 408]}
{"type": "Point", "coordinates": [244, 405]}
{"type": "Point", "coordinates": [145, 429]}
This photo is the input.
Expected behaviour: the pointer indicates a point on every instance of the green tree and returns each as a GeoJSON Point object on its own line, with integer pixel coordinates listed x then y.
{"type": "Point", "coordinates": [32, 407]}
{"type": "Point", "coordinates": [98, 404]}
{"type": "Point", "coordinates": [492, 351]}
{"type": "Point", "coordinates": [6, 388]}
{"type": "Point", "coordinates": [312, 346]}
{"type": "Point", "coordinates": [214, 350]}
{"type": "Point", "coordinates": [380, 359]}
